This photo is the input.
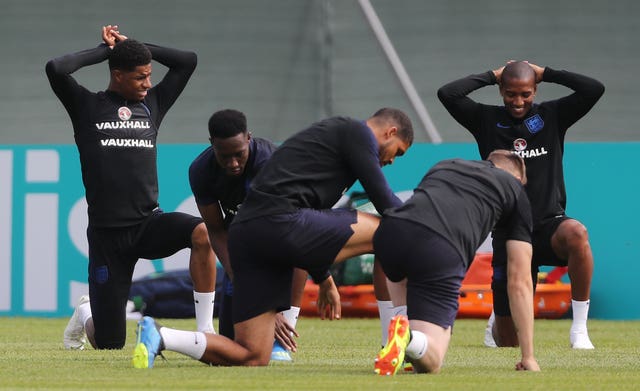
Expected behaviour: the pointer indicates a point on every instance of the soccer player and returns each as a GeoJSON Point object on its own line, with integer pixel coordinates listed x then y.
{"type": "Point", "coordinates": [220, 177]}
{"type": "Point", "coordinates": [426, 245]}
{"type": "Point", "coordinates": [287, 221]}
{"type": "Point", "coordinates": [116, 131]}
{"type": "Point", "coordinates": [535, 132]}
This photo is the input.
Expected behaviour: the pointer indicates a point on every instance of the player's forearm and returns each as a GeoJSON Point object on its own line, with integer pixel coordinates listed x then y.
{"type": "Point", "coordinates": [364, 161]}
{"type": "Point", "coordinates": [586, 86]}
{"type": "Point", "coordinates": [176, 60]}
{"type": "Point", "coordinates": [459, 89]}
{"type": "Point", "coordinates": [521, 304]}
{"type": "Point", "coordinates": [381, 195]}
{"type": "Point", "coordinates": [69, 63]}
{"type": "Point", "coordinates": [219, 245]}
{"type": "Point", "coordinates": [462, 108]}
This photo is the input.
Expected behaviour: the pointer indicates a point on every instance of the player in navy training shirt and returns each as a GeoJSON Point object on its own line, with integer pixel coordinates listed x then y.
{"type": "Point", "coordinates": [220, 177]}
{"type": "Point", "coordinates": [115, 132]}
{"type": "Point", "coordinates": [426, 246]}
{"type": "Point", "coordinates": [287, 221]}
{"type": "Point", "coordinates": [536, 132]}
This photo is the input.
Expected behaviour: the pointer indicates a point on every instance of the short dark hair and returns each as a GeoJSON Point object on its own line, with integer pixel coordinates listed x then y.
{"type": "Point", "coordinates": [399, 119]}
{"type": "Point", "coordinates": [227, 123]}
{"type": "Point", "coordinates": [509, 161]}
{"type": "Point", "coordinates": [517, 70]}
{"type": "Point", "coordinates": [128, 54]}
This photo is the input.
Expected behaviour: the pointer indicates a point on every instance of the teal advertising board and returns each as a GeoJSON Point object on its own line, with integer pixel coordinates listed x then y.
{"type": "Point", "coordinates": [43, 250]}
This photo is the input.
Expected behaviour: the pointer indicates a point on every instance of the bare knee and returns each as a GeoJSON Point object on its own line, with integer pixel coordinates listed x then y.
{"type": "Point", "coordinates": [256, 357]}
{"type": "Point", "coordinates": [428, 366]}
{"type": "Point", "coordinates": [577, 235]}
{"type": "Point", "coordinates": [435, 367]}
{"type": "Point", "coordinates": [200, 236]}
{"type": "Point", "coordinates": [253, 357]}
{"type": "Point", "coordinates": [235, 357]}
{"type": "Point", "coordinates": [571, 236]}
{"type": "Point", "coordinates": [431, 362]}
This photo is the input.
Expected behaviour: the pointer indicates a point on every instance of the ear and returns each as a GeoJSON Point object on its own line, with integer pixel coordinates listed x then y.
{"type": "Point", "coordinates": [392, 131]}
{"type": "Point", "coordinates": [116, 75]}
{"type": "Point", "coordinates": [248, 135]}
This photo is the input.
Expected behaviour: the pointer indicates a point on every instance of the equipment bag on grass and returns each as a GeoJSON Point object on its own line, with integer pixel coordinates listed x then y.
{"type": "Point", "coordinates": [169, 294]}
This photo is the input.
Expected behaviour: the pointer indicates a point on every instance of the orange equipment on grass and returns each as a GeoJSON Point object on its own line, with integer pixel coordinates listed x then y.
{"type": "Point", "coordinates": [552, 298]}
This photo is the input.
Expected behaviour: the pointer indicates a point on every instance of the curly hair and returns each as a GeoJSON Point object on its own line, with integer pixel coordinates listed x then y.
{"type": "Point", "coordinates": [128, 54]}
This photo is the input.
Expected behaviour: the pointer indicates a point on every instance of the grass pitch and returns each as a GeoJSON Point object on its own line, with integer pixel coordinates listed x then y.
{"type": "Point", "coordinates": [334, 355]}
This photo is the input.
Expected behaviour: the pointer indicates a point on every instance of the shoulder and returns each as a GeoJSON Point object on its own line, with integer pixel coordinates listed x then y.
{"type": "Point", "coordinates": [202, 162]}
{"type": "Point", "coordinates": [341, 122]}
{"type": "Point", "coordinates": [263, 146]}
{"type": "Point", "coordinates": [357, 128]}
{"type": "Point", "coordinates": [516, 188]}
{"type": "Point", "coordinates": [261, 151]}
{"type": "Point", "coordinates": [547, 110]}
{"type": "Point", "coordinates": [353, 123]}
{"type": "Point", "coordinates": [464, 164]}
{"type": "Point", "coordinates": [356, 135]}
{"type": "Point", "coordinates": [493, 111]}
{"type": "Point", "coordinates": [329, 131]}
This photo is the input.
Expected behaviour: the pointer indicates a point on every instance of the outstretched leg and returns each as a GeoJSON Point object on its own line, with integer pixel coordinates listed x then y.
{"type": "Point", "coordinates": [252, 347]}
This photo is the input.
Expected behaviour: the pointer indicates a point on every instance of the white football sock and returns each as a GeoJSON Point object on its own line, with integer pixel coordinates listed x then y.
{"type": "Point", "coordinates": [399, 310]}
{"type": "Point", "coordinates": [418, 345]}
{"type": "Point", "coordinates": [580, 314]}
{"type": "Point", "coordinates": [203, 302]}
{"type": "Point", "coordinates": [191, 343]}
{"type": "Point", "coordinates": [489, 341]}
{"type": "Point", "coordinates": [84, 313]}
{"type": "Point", "coordinates": [385, 311]}
{"type": "Point", "coordinates": [291, 315]}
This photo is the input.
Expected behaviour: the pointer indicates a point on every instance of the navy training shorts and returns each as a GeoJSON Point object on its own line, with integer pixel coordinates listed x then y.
{"type": "Point", "coordinates": [265, 250]}
{"type": "Point", "coordinates": [433, 267]}
{"type": "Point", "coordinates": [113, 253]}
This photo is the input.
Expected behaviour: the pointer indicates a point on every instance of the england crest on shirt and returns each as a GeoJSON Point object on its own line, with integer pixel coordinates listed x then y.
{"type": "Point", "coordinates": [534, 124]}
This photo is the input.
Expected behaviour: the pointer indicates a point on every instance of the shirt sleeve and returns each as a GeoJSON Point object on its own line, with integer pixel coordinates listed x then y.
{"type": "Point", "coordinates": [181, 66]}
{"type": "Point", "coordinates": [520, 223]}
{"type": "Point", "coordinates": [361, 152]}
{"type": "Point", "coordinates": [587, 92]}
{"type": "Point", "coordinates": [59, 71]}
{"type": "Point", "coordinates": [319, 275]}
{"type": "Point", "coordinates": [454, 97]}
{"type": "Point", "coordinates": [264, 149]}
{"type": "Point", "coordinates": [199, 187]}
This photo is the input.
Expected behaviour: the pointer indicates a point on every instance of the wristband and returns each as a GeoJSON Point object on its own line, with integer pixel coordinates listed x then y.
{"type": "Point", "coordinates": [319, 277]}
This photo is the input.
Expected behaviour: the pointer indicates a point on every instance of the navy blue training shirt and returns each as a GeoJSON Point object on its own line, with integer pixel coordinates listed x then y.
{"type": "Point", "coordinates": [538, 137]}
{"type": "Point", "coordinates": [210, 184]}
{"type": "Point", "coordinates": [464, 200]}
{"type": "Point", "coordinates": [116, 138]}
{"type": "Point", "coordinates": [315, 167]}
